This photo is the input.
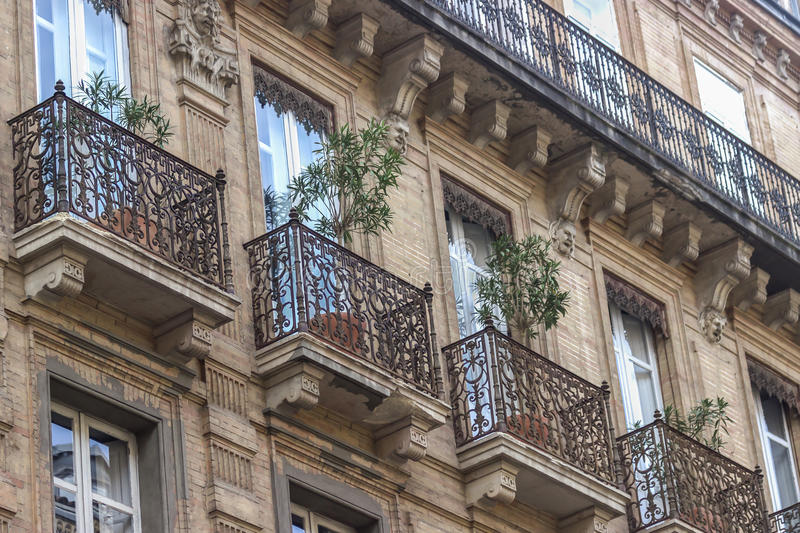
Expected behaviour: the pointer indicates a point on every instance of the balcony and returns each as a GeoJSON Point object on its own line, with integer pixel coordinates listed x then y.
{"type": "Point", "coordinates": [334, 329]}
{"type": "Point", "coordinates": [678, 485]}
{"type": "Point", "coordinates": [786, 520]}
{"type": "Point", "coordinates": [529, 430]}
{"type": "Point", "coordinates": [100, 211]}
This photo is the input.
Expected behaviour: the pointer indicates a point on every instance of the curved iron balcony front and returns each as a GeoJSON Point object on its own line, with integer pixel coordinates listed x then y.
{"type": "Point", "coordinates": [305, 283]}
{"type": "Point", "coordinates": [575, 63]}
{"type": "Point", "coordinates": [672, 477]}
{"type": "Point", "coordinates": [69, 159]}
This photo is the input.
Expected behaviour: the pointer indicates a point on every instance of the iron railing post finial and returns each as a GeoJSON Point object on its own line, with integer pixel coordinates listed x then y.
{"type": "Point", "coordinates": [227, 274]}
{"type": "Point", "coordinates": [758, 477]}
{"type": "Point", "coordinates": [494, 365]}
{"type": "Point", "coordinates": [437, 366]}
{"type": "Point", "coordinates": [62, 202]}
{"type": "Point", "coordinates": [295, 228]}
{"type": "Point", "coordinates": [613, 451]}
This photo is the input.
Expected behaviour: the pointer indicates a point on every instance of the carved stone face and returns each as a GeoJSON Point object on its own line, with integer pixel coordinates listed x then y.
{"type": "Point", "coordinates": [713, 323]}
{"type": "Point", "coordinates": [562, 232]}
{"type": "Point", "coordinates": [397, 136]}
{"type": "Point", "coordinates": [205, 15]}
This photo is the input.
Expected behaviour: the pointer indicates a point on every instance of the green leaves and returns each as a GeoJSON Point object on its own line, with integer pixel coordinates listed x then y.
{"type": "Point", "coordinates": [522, 285]}
{"type": "Point", "coordinates": [705, 422]}
{"type": "Point", "coordinates": [144, 118]}
{"type": "Point", "coordinates": [348, 184]}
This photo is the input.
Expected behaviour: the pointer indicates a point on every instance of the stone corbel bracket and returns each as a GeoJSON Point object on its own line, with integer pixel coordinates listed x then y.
{"type": "Point", "coordinates": [529, 149]}
{"type": "Point", "coordinates": [781, 308]}
{"type": "Point", "coordinates": [489, 123]}
{"type": "Point", "coordinates": [491, 484]}
{"type": "Point", "coordinates": [759, 43]}
{"type": "Point", "coordinates": [60, 272]}
{"type": "Point", "coordinates": [447, 97]}
{"type": "Point", "coordinates": [710, 12]}
{"type": "Point", "coordinates": [184, 338]}
{"type": "Point", "coordinates": [406, 439]}
{"type": "Point", "coordinates": [307, 15]}
{"type": "Point", "coordinates": [782, 64]}
{"type": "Point", "coordinates": [735, 28]}
{"type": "Point", "coordinates": [573, 177]}
{"type": "Point", "coordinates": [645, 221]}
{"type": "Point", "coordinates": [610, 199]}
{"type": "Point", "coordinates": [355, 39]}
{"type": "Point", "coordinates": [406, 71]}
{"type": "Point", "coordinates": [295, 387]}
{"type": "Point", "coordinates": [719, 271]}
{"type": "Point", "coordinates": [753, 290]}
{"type": "Point", "coordinates": [682, 243]}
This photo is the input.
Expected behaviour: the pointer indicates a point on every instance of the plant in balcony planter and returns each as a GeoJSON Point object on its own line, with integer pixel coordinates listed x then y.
{"type": "Point", "coordinates": [521, 286]}
{"type": "Point", "coordinates": [346, 190]}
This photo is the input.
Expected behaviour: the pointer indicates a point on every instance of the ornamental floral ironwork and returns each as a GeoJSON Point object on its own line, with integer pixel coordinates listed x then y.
{"type": "Point", "coordinates": [273, 91]}
{"type": "Point", "coordinates": [581, 66]}
{"type": "Point", "coordinates": [786, 520]}
{"type": "Point", "coordinates": [670, 476]}
{"type": "Point", "coordinates": [304, 282]}
{"type": "Point", "coordinates": [68, 159]}
{"type": "Point", "coordinates": [499, 385]}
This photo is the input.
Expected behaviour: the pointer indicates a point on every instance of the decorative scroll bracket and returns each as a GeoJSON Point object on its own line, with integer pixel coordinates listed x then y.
{"type": "Point", "coordinates": [736, 27]}
{"type": "Point", "coordinates": [529, 149]}
{"type": "Point", "coordinates": [295, 387]}
{"type": "Point", "coordinates": [575, 176]}
{"type": "Point", "coordinates": [489, 123]}
{"type": "Point", "coordinates": [491, 484]}
{"type": "Point", "coordinates": [781, 308]}
{"type": "Point", "coordinates": [645, 221]}
{"type": "Point", "coordinates": [406, 439]}
{"type": "Point", "coordinates": [184, 338]}
{"type": "Point", "coordinates": [759, 44]}
{"type": "Point", "coordinates": [782, 64]}
{"type": "Point", "coordinates": [610, 199]}
{"type": "Point", "coordinates": [682, 243]}
{"type": "Point", "coordinates": [407, 70]}
{"type": "Point", "coordinates": [59, 273]}
{"type": "Point", "coordinates": [307, 15]}
{"type": "Point", "coordinates": [753, 290]}
{"type": "Point", "coordinates": [710, 12]}
{"type": "Point", "coordinates": [355, 39]}
{"type": "Point", "coordinates": [719, 271]}
{"type": "Point", "coordinates": [447, 97]}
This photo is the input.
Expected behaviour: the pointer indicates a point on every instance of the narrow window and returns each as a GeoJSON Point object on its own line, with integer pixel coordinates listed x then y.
{"type": "Point", "coordinates": [775, 438]}
{"type": "Point", "coordinates": [95, 486]}
{"type": "Point", "coordinates": [791, 6]}
{"type": "Point", "coordinates": [596, 17]}
{"type": "Point", "coordinates": [722, 101]}
{"type": "Point", "coordinates": [75, 38]}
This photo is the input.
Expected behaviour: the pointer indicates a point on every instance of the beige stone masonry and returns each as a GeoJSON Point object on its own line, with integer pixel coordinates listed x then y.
{"type": "Point", "coordinates": [184, 338]}
{"type": "Point", "coordinates": [60, 270]}
{"type": "Point", "coordinates": [591, 520]}
{"type": "Point", "coordinates": [307, 15]}
{"type": "Point", "coordinates": [406, 439]}
{"type": "Point", "coordinates": [645, 221]}
{"type": "Point", "coordinates": [682, 243]}
{"type": "Point", "coordinates": [610, 199]}
{"type": "Point", "coordinates": [294, 387]}
{"type": "Point", "coordinates": [355, 38]}
{"type": "Point", "coordinates": [718, 271]}
{"type": "Point", "coordinates": [529, 149]}
{"type": "Point", "coordinates": [492, 483]}
{"type": "Point", "coordinates": [782, 309]}
{"type": "Point", "coordinates": [753, 290]}
{"type": "Point", "coordinates": [447, 97]}
{"type": "Point", "coordinates": [489, 123]}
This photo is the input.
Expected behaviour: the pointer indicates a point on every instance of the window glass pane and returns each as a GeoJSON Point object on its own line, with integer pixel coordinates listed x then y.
{"type": "Point", "coordinates": [109, 460]}
{"type": "Point", "coordinates": [722, 101]}
{"type": "Point", "coordinates": [52, 46]}
{"type": "Point", "coordinates": [100, 42]}
{"type": "Point", "coordinates": [634, 337]}
{"type": "Point", "coordinates": [109, 520]}
{"type": "Point", "coordinates": [61, 441]}
{"type": "Point", "coordinates": [596, 17]}
{"type": "Point", "coordinates": [64, 510]}
{"type": "Point", "coordinates": [646, 388]}
{"type": "Point", "coordinates": [784, 475]}
{"type": "Point", "coordinates": [773, 416]}
{"type": "Point", "coordinates": [274, 165]}
{"type": "Point", "coordinates": [307, 143]}
{"type": "Point", "coordinates": [298, 524]}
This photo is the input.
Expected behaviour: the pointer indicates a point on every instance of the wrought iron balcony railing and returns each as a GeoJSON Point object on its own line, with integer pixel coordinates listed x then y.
{"type": "Point", "coordinates": [576, 63]}
{"type": "Point", "coordinates": [786, 520]}
{"type": "Point", "coordinates": [304, 282]}
{"type": "Point", "coordinates": [68, 159]}
{"type": "Point", "coordinates": [671, 476]}
{"type": "Point", "coordinates": [499, 386]}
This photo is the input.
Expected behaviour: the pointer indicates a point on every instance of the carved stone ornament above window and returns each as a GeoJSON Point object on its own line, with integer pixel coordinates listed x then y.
{"type": "Point", "coordinates": [475, 208]}
{"type": "Point", "coordinates": [636, 303]}
{"type": "Point", "coordinates": [272, 90]}
{"type": "Point", "coordinates": [110, 6]}
{"type": "Point", "coordinates": [770, 382]}
{"type": "Point", "coordinates": [196, 44]}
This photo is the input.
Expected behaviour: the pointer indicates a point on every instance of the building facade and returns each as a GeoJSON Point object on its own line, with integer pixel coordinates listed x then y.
{"type": "Point", "coordinates": [178, 353]}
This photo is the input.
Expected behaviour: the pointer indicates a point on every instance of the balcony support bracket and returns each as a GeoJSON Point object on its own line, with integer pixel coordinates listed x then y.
{"type": "Point", "coordinates": [591, 520]}
{"type": "Point", "coordinates": [406, 439]}
{"type": "Point", "coordinates": [610, 199]}
{"type": "Point", "coordinates": [782, 308]}
{"type": "Point", "coordinates": [59, 272]}
{"type": "Point", "coordinates": [447, 97]}
{"type": "Point", "coordinates": [493, 483]}
{"type": "Point", "coordinates": [682, 243]}
{"type": "Point", "coordinates": [489, 123]}
{"type": "Point", "coordinates": [719, 271]}
{"type": "Point", "coordinates": [355, 38]}
{"type": "Point", "coordinates": [646, 221]}
{"type": "Point", "coordinates": [293, 388]}
{"type": "Point", "coordinates": [529, 149]}
{"type": "Point", "coordinates": [307, 15]}
{"type": "Point", "coordinates": [184, 338]}
{"type": "Point", "coordinates": [753, 290]}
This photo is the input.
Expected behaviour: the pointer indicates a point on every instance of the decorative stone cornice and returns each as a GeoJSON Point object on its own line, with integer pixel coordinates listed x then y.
{"type": "Point", "coordinates": [184, 338]}
{"type": "Point", "coordinates": [295, 387]}
{"type": "Point", "coordinates": [682, 243]}
{"type": "Point", "coordinates": [645, 221]}
{"type": "Point", "coordinates": [307, 15]}
{"type": "Point", "coordinates": [636, 303]}
{"type": "Point", "coordinates": [474, 207]}
{"type": "Point", "coordinates": [759, 43]}
{"type": "Point", "coordinates": [355, 38]}
{"type": "Point", "coordinates": [489, 123]}
{"type": "Point", "coordinates": [753, 290]}
{"type": "Point", "coordinates": [782, 64]}
{"type": "Point", "coordinates": [574, 176]}
{"type": "Point", "coordinates": [719, 271]}
{"type": "Point", "coordinates": [491, 484]}
{"type": "Point", "coordinates": [406, 71]}
{"type": "Point", "coordinates": [781, 308]}
{"type": "Point", "coordinates": [710, 11]}
{"type": "Point", "coordinates": [735, 27]}
{"type": "Point", "coordinates": [196, 46]}
{"type": "Point", "coordinates": [529, 149]}
{"type": "Point", "coordinates": [610, 199]}
{"type": "Point", "coordinates": [273, 91]}
{"type": "Point", "coordinates": [447, 97]}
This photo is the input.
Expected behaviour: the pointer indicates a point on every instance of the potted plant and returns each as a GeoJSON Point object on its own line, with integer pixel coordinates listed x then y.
{"type": "Point", "coordinates": [521, 287]}
{"type": "Point", "coordinates": [346, 190]}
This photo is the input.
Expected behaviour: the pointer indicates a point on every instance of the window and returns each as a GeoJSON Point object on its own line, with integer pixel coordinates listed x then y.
{"type": "Point", "coordinates": [775, 439]}
{"type": "Point", "coordinates": [75, 38]}
{"type": "Point", "coordinates": [596, 17]}
{"type": "Point", "coordinates": [722, 101]}
{"type": "Point", "coordinates": [791, 6]}
{"type": "Point", "coordinates": [636, 365]}
{"type": "Point", "coordinates": [95, 485]}
{"type": "Point", "coordinates": [306, 521]}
